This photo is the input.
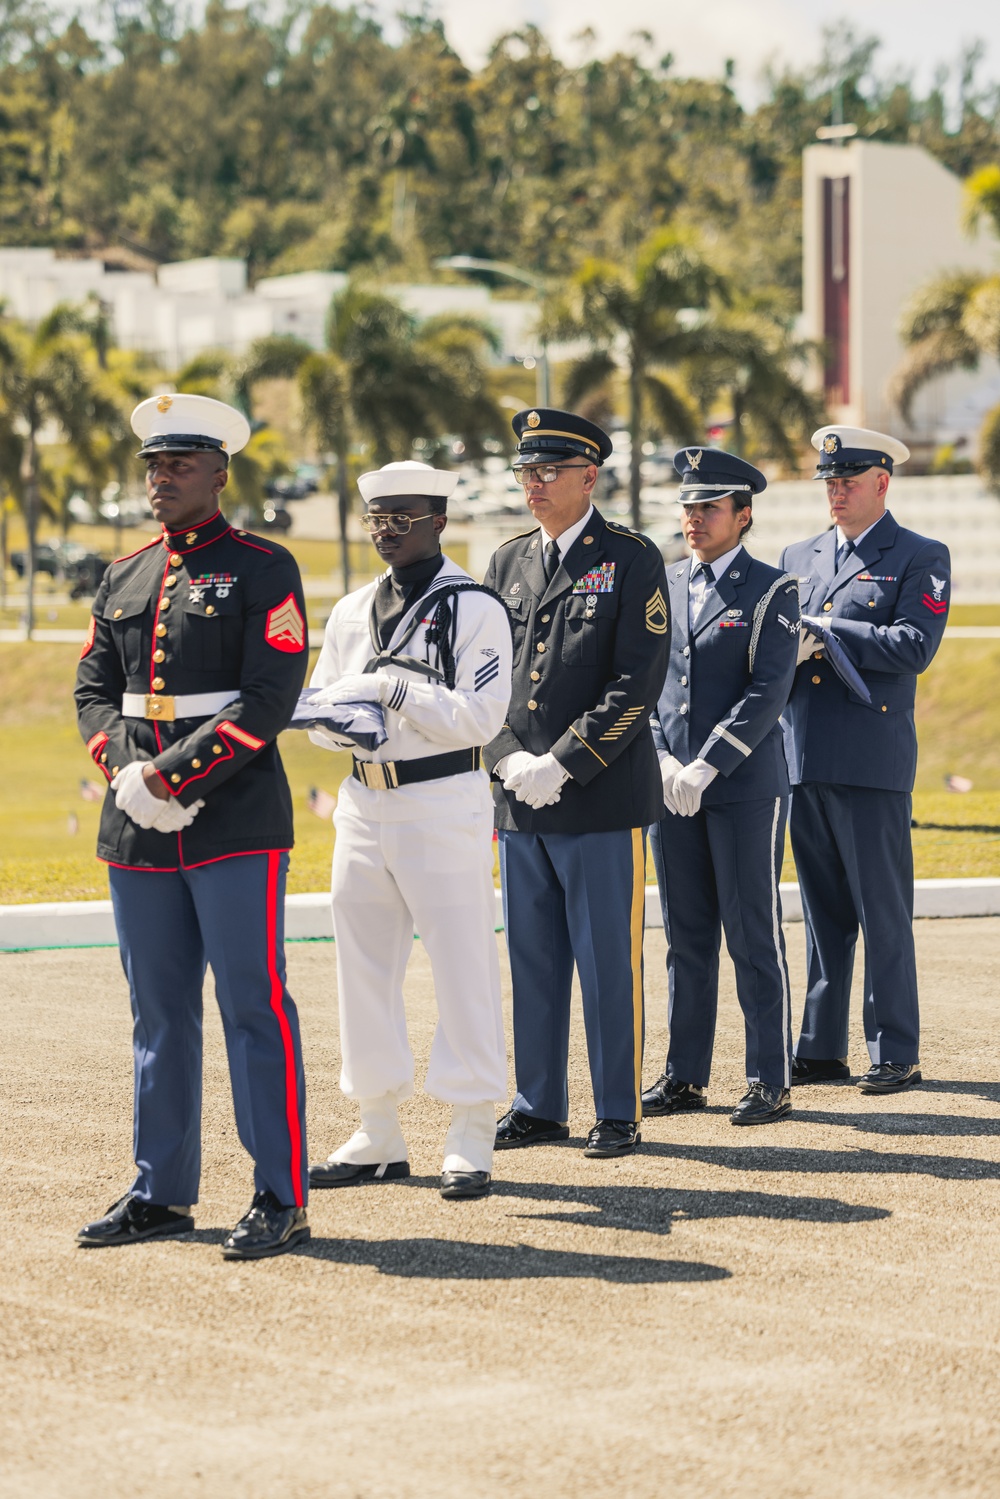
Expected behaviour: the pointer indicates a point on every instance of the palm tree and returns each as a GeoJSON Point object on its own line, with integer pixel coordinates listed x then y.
{"type": "Point", "coordinates": [383, 382]}
{"type": "Point", "coordinates": [49, 377]}
{"type": "Point", "coordinates": [646, 319]}
{"type": "Point", "coordinates": [953, 321]}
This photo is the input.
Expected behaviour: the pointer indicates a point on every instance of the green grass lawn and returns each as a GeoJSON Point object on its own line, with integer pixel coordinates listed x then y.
{"type": "Point", "coordinates": [41, 859]}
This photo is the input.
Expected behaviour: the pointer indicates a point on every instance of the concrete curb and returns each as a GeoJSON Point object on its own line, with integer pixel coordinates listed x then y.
{"type": "Point", "coordinates": [70, 924]}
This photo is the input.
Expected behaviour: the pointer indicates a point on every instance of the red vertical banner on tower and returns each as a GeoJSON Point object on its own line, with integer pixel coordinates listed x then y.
{"type": "Point", "coordinates": [837, 289]}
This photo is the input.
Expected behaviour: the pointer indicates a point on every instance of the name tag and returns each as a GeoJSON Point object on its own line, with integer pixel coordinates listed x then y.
{"type": "Point", "coordinates": [599, 580]}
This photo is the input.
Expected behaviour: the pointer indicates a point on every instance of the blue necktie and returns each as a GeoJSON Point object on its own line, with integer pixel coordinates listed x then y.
{"type": "Point", "coordinates": [843, 552]}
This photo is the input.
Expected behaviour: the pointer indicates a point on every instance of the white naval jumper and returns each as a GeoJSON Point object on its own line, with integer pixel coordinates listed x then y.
{"type": "Point", "coordinates": [420, 857]}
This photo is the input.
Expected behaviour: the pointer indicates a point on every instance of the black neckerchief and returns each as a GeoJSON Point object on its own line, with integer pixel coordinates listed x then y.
{"type": "Point", "coordinates": [394, 594]}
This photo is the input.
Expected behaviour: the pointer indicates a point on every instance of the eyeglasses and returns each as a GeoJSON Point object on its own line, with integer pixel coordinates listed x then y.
{"type": "Point", "coordinates": [532, 473]}
{"type": "Point", "coordinates": [396, 525]}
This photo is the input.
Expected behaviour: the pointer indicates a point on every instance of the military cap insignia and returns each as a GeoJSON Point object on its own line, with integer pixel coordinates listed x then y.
{"type": "Point", "coordinates": [285, 628]}
{"type": "Point", "coordinates": [831, 443]}
{"type": "Point", "coordinates": [533, 419]}
{"type": "Point", "coordinates": [657, 617]}
{"type": "Point", "coordinates": [164, 403]}
{"type": "Point", "coordinates": [694, 459]}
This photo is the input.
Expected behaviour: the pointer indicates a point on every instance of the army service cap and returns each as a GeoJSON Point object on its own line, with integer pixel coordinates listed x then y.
{"type": "Point", "coordinates": [710, 474]}
{"type": "Point", "coordinates": [544, 433]}
{"type": "Point", "coordinates": [409, 478]}
{"type": "Point", "coordinates": [850, 450]}
{"type": "Point", "coordinates": [189, 424]}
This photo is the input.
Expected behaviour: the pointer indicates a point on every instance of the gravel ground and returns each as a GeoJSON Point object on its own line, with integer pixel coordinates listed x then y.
{"type": "Point", "coordinates": [809, 1308]}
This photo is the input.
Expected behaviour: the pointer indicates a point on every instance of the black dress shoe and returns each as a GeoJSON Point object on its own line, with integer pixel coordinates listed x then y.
{"type": "Point", "coordinates": [129, 1220]}
{"type": "Point", "coordinates": [613, 1137]}
{"type": "Point", "coordinates": [266, 1228]}
{"type": "Point", "coordinates": [516, 1128]}
{"type": "Point", "coordinates": [820, 1070]}
{"type": "Point", "coordinates": [346, 1174]}
{"type": "Point", "coordinates": [890, 1077]}
{"type": "Point", "coordinates": [669, 1095]}
{"type": "Point", "coordinates": [761, 1105]}
{"type": "Point", "coordinates": [465, 1183]}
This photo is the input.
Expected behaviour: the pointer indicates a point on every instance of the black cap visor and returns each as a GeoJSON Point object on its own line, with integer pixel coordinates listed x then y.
{"type": "Point", "coordinates": [182, 442]}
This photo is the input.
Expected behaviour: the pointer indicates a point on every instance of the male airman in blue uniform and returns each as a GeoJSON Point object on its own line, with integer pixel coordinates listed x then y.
{"type": "Point", "coordinates": [718, 848]}
{"type": "Point", "coordinates": [576, 782]}
{"type": "Point", "coordinates": [194, 659]}
{"type": "Point", "coordinates": [882, 592]}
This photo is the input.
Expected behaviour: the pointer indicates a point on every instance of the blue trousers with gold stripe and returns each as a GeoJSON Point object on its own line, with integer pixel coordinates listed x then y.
{"type": "Point", "coordinates": [575, 897]}
{"type": "Point", "coordinates": [170, 924]}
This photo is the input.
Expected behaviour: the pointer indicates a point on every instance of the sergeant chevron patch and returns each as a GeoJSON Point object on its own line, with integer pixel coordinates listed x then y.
{"type": "Point", "coordinates": [487, 672]}
{"type": "Point", "coordinates": [657, 617]}
{"type": "Point", "coordinates": [286, 629]}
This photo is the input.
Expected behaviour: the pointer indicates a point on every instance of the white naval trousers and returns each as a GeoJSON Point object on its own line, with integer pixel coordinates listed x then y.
{"type": "Point", "coordinates": [418, 858]}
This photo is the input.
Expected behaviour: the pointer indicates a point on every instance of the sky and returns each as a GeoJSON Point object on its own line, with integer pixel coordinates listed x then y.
{"type": "Point", "coordinates": [917, 35]}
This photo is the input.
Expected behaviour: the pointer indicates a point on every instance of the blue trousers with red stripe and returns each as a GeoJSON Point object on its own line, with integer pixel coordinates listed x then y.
{"type": "Point", "coordinates": [170, 926]}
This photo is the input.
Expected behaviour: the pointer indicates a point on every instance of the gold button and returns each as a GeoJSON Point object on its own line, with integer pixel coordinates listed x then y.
{"type": "Point", "coordinates": [170, 580]}
{"type": "Point", "coordinates": [175, 779]}
{"type": "Point", "coordinates": [117, 614]}
{"type": "Point", "coordinates": [158, 684]}
{"type": "Point", "coordinates": [546, 618]}
{"type": "Point", "coordinates": [536, 676]}
{"type": "Point", "coordinates": [164, 604]}
{"type": "Point", "coordinates": [104, 759]}
{"type": "Point", "coordinates": [817, 679]}
{"type": "Point", "coordinates": [241, 533]}
{"type": "Point", "coordinates": [817, 655]}
{"type": "Point", "coordinates": [159, 656]}
{"type": "Point", "coordinates": [827, 608]}
{"type": "Point", "coordinates": [216, 749]}
{"type": "Point", "coordinates": [884, 708]}
{"type": "Point", "coordinates": [540, 647]}
{"type": "Point", "coordinates": [114, 770]}
{"type": "Point", "coordinates": [175, 559]}
{"type": "Point", "coordinates": [532, 705]}
{"type": "Point", "coordinates": [588, 541]}
{"type": "Point", "coordinates": [191, 536]}
{"type": "Point", "coordinates": [196, 764]}
{"type": "Point", "coordinates": [684, 681]}
{"type": "Point", "coordinates": [161, 630]}
{"type": "Point", "coordinates": [871, 603]}
{"type": "Point", "coordinates": [210, 609]}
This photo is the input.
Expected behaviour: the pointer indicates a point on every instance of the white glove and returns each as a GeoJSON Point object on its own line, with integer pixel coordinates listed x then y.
{"type": "Point", "coordinates": [174, 816]}
{"type": "Point", "coordinates": [133, 796]}
{"type": "Point", "coordinates": [690, 785]}
{"type": "Point", "coordinates": [356, 687]}
{"type": "Point", "coordinates": [512, 767]}
{"type": "Point", "coordinates": [540, 783]}
{"type": "Point", "coordinates": [670, 768]}
{"type": "Point", "coordinates": [327, 739]}
{"type": "Point", "coordinates": [808, 644]}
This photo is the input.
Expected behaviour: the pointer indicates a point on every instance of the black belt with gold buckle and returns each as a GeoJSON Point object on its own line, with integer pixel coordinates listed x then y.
{"type": "Point", "coordinates": [390, 774]}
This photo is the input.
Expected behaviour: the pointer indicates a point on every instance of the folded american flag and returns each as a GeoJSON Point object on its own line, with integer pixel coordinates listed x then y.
{"type": "Point", "coordinates": [362, 723]}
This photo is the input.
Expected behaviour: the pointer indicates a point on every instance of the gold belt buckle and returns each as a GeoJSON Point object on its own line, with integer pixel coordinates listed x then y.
{"type": "Point", "coordinates": [160, 707]}
{"type": "Point", "coordinates": [378, 777]}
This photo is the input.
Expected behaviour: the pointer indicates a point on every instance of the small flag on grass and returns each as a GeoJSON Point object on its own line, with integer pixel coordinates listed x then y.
{"type": "Point", "coordinates": [72, 824]}
{"type": "Point", "coordinates": [322, 803]}
{"type": "Point", "coordinates": [958, 783]}
{"type": "Point", "coordinates": [90, 791]}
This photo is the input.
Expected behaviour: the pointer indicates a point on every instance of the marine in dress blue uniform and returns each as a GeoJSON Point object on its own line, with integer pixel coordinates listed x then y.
{"type": "Point", "coordinates": [193, 662]}
{"type": "Point", "coordinates": [576, 782]}
{"type": "Point", "coordinates": [718, 847]}
{"type": "Point", "coordinates": [883, 593]}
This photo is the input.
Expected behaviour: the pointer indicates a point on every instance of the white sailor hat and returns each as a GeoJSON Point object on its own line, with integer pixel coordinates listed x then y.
{"type": "Point", "coordinates": [850, 450]}
{"type": "Point", "coordinates": [189, 424]}
{"type": "Point", "coordinates": [409, 478]}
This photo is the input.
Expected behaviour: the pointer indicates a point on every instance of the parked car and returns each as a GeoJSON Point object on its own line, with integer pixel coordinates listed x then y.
{"type": "Point", "coordinates": [82, 570]}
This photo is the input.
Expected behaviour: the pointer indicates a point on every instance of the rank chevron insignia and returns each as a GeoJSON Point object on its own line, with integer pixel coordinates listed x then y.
{"type": "Point", "coordinates": [286, 629]}
{"type": "Point", "coordinates": [656, 614]}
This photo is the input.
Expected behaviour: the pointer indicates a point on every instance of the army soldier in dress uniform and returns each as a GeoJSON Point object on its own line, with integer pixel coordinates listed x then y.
{"type": "Point", "coordinates": [882, 592]}
{"type": "Point", "coordinates": [192, 666]}
{"type": "Point", "coordinates": [576, 781]}
{"type": "Point", "coordinates": [718, 849]}
{"type": "Point", "coordinates": [414, 842]}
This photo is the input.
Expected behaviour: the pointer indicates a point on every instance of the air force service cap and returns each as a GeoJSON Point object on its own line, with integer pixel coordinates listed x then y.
{"type": "Point", "coordinates": [546, 434]}
{"type": "Point", "coordinates": [709, 474]}
{"type": "Point", "coordinates": [409, 478]}
{"type": "Point", "coordinates": [850, 450]}
{"type": "Point", "coordinates": [189, 424]}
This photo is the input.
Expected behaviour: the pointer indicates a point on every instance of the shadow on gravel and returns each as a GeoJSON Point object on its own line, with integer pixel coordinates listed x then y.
{"type": "Point", "coordinates": [654, 1210]}
{"type": "Point", "coordinates": [830, 1162]}
{"type": "Point", "coordinates": [989, 1091]}
{"type": "Point", "coordinates": [903, 1124]}
{"type": "Point", "coordinates": [447, 1259]}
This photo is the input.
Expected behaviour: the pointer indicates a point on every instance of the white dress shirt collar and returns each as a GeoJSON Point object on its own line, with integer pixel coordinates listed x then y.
{"type": "Point", "coordinates": [841, 538]}
{"type": "Point", "coordinates": [566, 540]}
{"type": "Point", "coordinates": [718, 566]}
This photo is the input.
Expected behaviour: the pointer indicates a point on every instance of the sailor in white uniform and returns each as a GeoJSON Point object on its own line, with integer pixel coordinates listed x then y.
{"type": "Point", "coordinates": [414, 821]}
